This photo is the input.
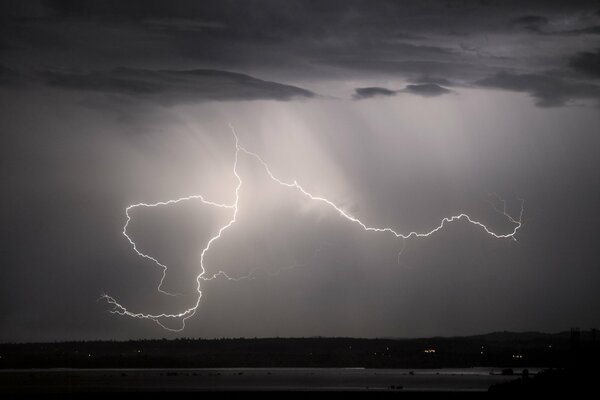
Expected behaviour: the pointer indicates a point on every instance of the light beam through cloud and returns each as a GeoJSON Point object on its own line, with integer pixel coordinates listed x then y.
{"type": "Point", "coordinates": [119, 309]}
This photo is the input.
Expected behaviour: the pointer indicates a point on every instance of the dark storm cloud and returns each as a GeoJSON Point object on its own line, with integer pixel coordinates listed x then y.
{"type": "Point", "coordinates": [542, 25]}
{"type": "Point", "coordinates": [549, 91]}
{"type": "Point", "coordinates": [532, 23]}
{"type": "Point", "coordinates": [167, 86]}
{"type": "Point", "coordinates": [182, 25]}
{"type": "Point", "coordinates": [9, 77]}
{"type": "Point", "coordinates": [460, 42]}
{"type": "Point", "coordinates": [422, 89]}
{"type": "Point", "coordinates": [266, 17]}
{"type": "Point", "coordinates": [587, 62]}
{"type": "Point", "coordinates": [423, 79]}
{"type": "Point", "coordinates": [528, 20]}
{"type": "Point", "coordinates": [590, 30]}
{"type": "Point", "coordinates": [414, 69]}
{"type": "Point", "coordinates": [369, 92]}
{"type": "Point", "coordinates": [426, 90]}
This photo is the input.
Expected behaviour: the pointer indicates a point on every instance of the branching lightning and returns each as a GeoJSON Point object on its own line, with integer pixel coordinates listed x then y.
{"type": "Point", "coordinates": [164, 203]}
{"type": "Point", "coordinates": [119, 309]}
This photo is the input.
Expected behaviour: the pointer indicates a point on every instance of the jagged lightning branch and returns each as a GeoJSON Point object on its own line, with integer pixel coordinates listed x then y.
{"type": "Point", "coordinates": [163, 203]}
{"type": "Point", "coordinates": [188, 313]}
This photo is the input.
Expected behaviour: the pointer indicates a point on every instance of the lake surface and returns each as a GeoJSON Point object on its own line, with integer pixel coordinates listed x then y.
{"type": "Point", "coordinates": [119, 380]}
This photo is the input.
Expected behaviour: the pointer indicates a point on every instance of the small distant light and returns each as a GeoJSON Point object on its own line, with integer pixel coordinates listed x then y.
{"type": "Point", "coordinates": [428, 351]}
{"type": "Point", "coordinates": [89, 355]}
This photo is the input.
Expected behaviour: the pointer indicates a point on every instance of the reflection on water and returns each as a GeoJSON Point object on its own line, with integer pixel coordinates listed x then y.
{"type": "Point", "coordinates": [40, 380]}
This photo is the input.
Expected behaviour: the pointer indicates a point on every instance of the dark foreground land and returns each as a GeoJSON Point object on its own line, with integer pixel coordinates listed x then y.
{"type": "Point", "coordinates": [507, 362]}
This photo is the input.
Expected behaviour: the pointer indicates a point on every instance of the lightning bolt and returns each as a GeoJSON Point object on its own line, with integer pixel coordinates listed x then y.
{"type": "Point", "coordinates": [183, 316]}
{"type": "Point", "coordinates": [163, 203]}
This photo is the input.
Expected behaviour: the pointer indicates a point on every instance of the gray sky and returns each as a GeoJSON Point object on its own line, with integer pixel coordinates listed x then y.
{"type": "Point", "coordinates": [401, 113]}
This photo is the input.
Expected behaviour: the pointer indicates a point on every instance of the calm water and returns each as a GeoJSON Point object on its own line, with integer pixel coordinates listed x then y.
{"type": "Point", "coordinates": [44, 380]}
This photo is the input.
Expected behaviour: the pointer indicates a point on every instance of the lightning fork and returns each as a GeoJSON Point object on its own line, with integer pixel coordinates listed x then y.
{"type": "Point", "coordinates": [117, 308]}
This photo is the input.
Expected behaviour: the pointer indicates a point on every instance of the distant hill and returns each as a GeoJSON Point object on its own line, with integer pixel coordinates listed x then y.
{"type": "Point", "coordinates": [519, 336]}
{"type": "Point", "coordinates": [498, 349]}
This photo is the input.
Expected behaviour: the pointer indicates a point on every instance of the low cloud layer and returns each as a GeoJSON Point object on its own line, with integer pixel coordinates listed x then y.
{"type": "Point", "coordinates": [421, 89]}
{"type": "Point", "coordinates": [168, 86]}
{"type": "Point", "coordinates": [548, 91]}
{"type": "Point", "coordinates": [587, 62]}
{"type": "Point", "coordinates": [426, 90]}
{"type": "Point", "coordinates": [370, 92]}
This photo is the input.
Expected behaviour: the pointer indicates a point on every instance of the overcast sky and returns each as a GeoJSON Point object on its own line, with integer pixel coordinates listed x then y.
{"type": "Point", "coordinates": [400, 112]}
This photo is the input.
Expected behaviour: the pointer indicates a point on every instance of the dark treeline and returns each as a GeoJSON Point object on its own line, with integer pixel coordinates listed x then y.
{"type": "Point", "coordinates": [503, 349]}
